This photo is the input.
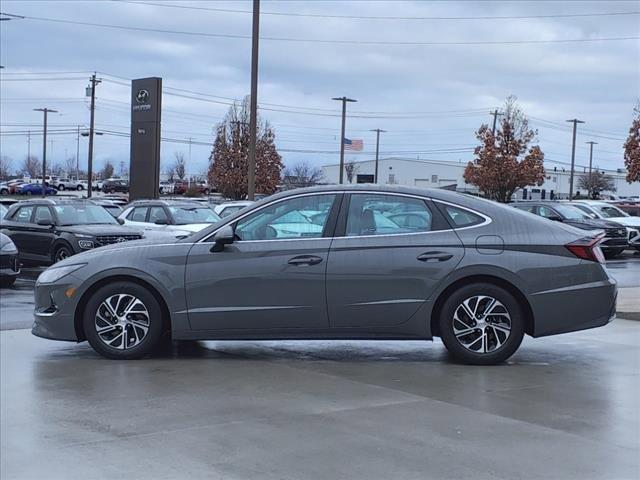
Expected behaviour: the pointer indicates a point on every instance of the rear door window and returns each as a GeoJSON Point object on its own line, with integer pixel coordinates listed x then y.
{"type": "Point", "coordinates": [23, 215]}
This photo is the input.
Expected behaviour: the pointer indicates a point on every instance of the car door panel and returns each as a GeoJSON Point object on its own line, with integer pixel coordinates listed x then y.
{"type": "Point", "coordinates": [254, 285]}
{"type": "Point", "coordinates": [382, 280]}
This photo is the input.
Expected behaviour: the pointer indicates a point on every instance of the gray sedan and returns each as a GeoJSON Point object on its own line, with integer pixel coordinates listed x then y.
{"type": "Point", "coordinates": [347, 262]}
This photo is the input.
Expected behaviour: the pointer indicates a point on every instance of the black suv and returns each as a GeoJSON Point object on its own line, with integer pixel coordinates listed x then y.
{"type": "Point", "coordinates": [616, 240]}
{"type": "Point", "coordinates": [115, 186]}
{"type": "Point", "coordinates": [46, 231]}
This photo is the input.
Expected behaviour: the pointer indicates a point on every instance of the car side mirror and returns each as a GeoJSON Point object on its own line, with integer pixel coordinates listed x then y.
{"type": "Point", "coordinates": [224, 236]}
{"type": "Point", "coordinates": [120, 221]}
{"type": "Point", "coordinates": [555, 218]}
{"type": "Point", "coordinates": [161, 221]}
{"type": "Point", "coordinates": [43, 222]}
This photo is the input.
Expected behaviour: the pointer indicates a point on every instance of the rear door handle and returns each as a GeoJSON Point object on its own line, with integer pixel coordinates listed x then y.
{"type": "Point", "coordinates": [305, 260]}
{"type": "Point", "coordinates": [435, 257]}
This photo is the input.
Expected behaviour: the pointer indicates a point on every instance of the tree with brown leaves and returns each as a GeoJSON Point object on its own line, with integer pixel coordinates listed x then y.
{"type": "Point", "coordinates": [179, 166]}
{"type": "Point", "coordinates": [229, 160]}
{"type": "Point", "coordinates": [31, 166]}
{"type": "Point", "coordinates": [595, 183]}
{"type": "Point", "coordinates": [505, 163]}
{"type": "Point", "coordinates": [632, 149]}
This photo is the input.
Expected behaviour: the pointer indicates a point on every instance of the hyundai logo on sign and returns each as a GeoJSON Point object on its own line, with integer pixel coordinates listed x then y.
{"type": "Point", "coordinates": [142, 97]}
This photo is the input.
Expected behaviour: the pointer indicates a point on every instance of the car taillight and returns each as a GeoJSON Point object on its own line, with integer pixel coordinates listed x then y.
{"type": "Point", "coordinates": [587, 248]}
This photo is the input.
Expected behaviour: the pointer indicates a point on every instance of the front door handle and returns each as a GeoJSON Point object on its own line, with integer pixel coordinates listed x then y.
{"type": "Point", "coordinates": [435, 257]}
{"type": "Point", "coordinates": [305, 260]}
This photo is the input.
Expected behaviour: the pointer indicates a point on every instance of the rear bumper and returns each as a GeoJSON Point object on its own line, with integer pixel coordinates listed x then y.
{"type": "Point", "coordinates": [574, 308]}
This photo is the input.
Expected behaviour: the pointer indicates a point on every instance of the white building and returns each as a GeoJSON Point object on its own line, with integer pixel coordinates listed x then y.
{"type": "Point", "coordinates": [447, 174]}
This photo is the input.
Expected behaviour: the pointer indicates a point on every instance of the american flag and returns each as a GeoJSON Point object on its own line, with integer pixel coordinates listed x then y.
{"type": "Point", "coordinates": [353, 145]}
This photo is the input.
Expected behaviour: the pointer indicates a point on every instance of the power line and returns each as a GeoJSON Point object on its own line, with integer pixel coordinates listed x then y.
{"type": "Point", "coordinates": [374, 17]}
{"type": "Point", "coordinates": [330, 41]}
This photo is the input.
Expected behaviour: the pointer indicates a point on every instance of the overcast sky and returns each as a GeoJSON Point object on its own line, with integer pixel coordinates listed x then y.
{"type": "Point", "coordinates": [430, 98]}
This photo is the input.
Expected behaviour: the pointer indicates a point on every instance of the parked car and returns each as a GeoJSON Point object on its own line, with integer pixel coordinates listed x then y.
{"type": "Point", "coordinates": [165, 188]}
{"type": "Point", "coordinates": [4, 188]}
{"type": "Point", "coordinates": [49, 180]}
{"type": "Point", "coordinates": [226, 209]}
{"type": "Point", "coordinates": [162, 218]}
{"type": "Point", "coordinates": [616, 239]}
{"type": "Point", "coordinates": [109, 205]}
{"type": "Point", "coordinates": [9, 261]}
{"type": "Point", "coordinates": [119, 199]}
{"type": "Point", "coordinates": [3, 210]}
{"type": "Point", "coordinates": [181, 187]}
{"type": "Point", "coordinates": [608, 211]}
{"type": "Point", "coordinates": [478, 274]}
{"type": "Point", "coordinates": [114, 186]}
{"type": "Point", "coordinates": [69, 184]}
{"type": "Point", "coordinates": [630, 207]}
{"type": "Point", "coordinates": [14, 186]}
{"type": "Point", "coordinates": [36, 189]}
{"type": "Point", "coordinates": [47, 231]}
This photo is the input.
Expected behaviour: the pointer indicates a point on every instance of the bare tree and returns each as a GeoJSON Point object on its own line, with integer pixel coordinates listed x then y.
{"type": "Point", "coordinates": [107, 170]}
{"type": "Point", "coordinates": [597, 183]}
{"type": "Point", "coordinates": [5, 166]}
{"type": "Point", "coordinates": [31, 166]}
{"type": "Point", "coordinates": [351, 168]}
{"type": "Point", "coordinates": [70, 166]}
{"type": "Point", "coordinates": [179, 166]}
{"type": "Point", "coordinates": [302, 175]}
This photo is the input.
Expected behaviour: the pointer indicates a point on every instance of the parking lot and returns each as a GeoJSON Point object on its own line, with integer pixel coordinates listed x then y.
{"type": "Point", "coordinates": [341, 409]}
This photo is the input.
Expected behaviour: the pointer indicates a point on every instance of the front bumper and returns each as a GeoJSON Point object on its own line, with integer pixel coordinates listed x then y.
{"type": "Point", "coordinates": [9, 265]}
{"type": "Point", "coordinates": [54, 312]}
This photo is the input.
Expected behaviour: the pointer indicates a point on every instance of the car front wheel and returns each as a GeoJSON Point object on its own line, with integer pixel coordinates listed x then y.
{"type": "Point", "coordinates": [481, 324]}
{"type": "Point", "coordinates": [61, 187]}
{"type": "Point", "coordinates": [61, 253]}
{"type": "Point", "coordinates": [123, 321]}
{"type": "Point", "coordinates": [79, 188]}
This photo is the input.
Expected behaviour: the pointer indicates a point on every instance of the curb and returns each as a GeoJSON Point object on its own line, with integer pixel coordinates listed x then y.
{"type": "Point", "coordinates": [628, 315]}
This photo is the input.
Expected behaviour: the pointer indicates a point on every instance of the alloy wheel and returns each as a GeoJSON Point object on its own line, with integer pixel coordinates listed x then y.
{"type": "Point", "coordinates": [122, 321]}
{"type": "Point", "coordinates": [61, 254]}
{"type": "Point", "coordinates": [481, 324]}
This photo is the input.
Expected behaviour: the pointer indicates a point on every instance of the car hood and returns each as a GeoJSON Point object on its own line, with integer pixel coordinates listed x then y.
{"type": "Point", "coordinates": [191, 227]}
{"type": "Point", "coordinates": [96, 230]}
{"type": "Point", "coordinates": [593, 224]}
{"type": "Point", "coordinates": [626, 221]}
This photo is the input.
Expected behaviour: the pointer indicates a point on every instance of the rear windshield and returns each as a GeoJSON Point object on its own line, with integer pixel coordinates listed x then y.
{"type": "Point", "coordinates": [187, 215]}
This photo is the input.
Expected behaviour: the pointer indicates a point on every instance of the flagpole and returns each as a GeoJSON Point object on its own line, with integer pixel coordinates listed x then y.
{"type": "Point", "coordinates": [344, 101]}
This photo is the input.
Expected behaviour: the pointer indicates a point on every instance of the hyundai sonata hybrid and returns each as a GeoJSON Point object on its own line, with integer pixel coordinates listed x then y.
{"type": "Point", "coordinates": [347, 262]}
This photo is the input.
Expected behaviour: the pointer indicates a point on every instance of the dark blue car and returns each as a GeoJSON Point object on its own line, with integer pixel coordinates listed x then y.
{"type": "Point", "coordinates": [36, 189]}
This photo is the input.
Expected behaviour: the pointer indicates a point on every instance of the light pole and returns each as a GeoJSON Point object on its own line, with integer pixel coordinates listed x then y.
{"type": "Point", "coordinates": [591, 144]}
{"type": "Point", "coordinates": [253, 114]}
{"type": "Point", "coordinates": [44, 145]}
{"type": "Point", "coordinates": [344, 101]}
{"type": "Point", "coordinates": [91, 92]}
{"type": "Point", "coordinates": [378, 131]}
{"type": "Point", "coordinates": [575, 122]}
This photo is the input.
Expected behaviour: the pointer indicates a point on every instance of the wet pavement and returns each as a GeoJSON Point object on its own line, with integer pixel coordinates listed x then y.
{"type": "Point", "coordinates": [563, 407]}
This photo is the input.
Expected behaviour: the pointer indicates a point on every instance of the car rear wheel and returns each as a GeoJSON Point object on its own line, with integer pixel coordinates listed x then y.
{"type": "Point", "coordinates": [61, 253]}
{"type": "Point", "coordinates": [481, 324]}
{"type": "Point", "coordinates": [61, 187]}
{"type": "Point", "coordinates": [123, 321]}
{"type": "Point", "coordinates": [79, 188]}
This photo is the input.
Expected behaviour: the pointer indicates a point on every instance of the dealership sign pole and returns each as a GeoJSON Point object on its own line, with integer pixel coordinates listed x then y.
{"type": "Point", "coordinates": [144, 167]}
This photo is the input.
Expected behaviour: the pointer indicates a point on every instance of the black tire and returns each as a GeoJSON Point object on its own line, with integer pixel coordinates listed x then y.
{"type": "Point", "coordinates": [61, 187]}
{"type": "Point", "coordinates": [6, 282]}
{"type": "Point", "coordinates": [79, 188]}
{"type": "Point", "coordinates": [613, 252]}
{"type": "Point", "coordinates": [60, 253]}
{"type": "Point", "coordinates": [148, 342]}
{"type": "Point", "coordinates": [505, 301]}
{"type": "Point", "coordinates": [29, 192]}
{"type": "Point", "coordinates": [206, 191]}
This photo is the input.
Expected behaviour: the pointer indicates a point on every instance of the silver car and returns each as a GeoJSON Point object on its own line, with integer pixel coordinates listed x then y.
{"type": "Point", "coordinates": [347, 262]}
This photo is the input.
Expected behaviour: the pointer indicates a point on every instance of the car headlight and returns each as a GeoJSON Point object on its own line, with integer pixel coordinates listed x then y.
{"type": "Point", "coordinates": [9, 248]}
{"type": "Point", "coordinates": [85, 244]}
{"type": "Point", "coordinates": [53, 274]}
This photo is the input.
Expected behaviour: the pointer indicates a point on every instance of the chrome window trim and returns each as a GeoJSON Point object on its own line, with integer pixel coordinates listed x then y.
{"type": "Point", "coordinates": [487, 219]}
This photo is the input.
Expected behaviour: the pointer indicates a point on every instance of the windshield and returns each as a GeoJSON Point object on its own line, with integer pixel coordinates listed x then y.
{"type": "Point", "coordinates": [571, 213]}
{"type": "Point", "coordinates": [83, 215]}
{"type": "Point", "coordinates": [609, 211]}
{"type": "Point", "coordinates": [186, 215]}
{"type": "Point", "coordinates": [3, 211]}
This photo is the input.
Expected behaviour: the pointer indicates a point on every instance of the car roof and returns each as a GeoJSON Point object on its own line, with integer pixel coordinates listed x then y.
{"type": "Point", "coordinates": [52, 202]}
{"type": "Point", "coordinates": [166, 203]}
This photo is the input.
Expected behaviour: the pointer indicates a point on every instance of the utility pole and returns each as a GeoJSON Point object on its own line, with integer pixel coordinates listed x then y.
{"type": "Point", "coordinates": [495, 114]}
{"type": "Point", "coordinates": [44, 145]}
{"type": "Point", "coordinates": [378, 131]}
{"type": "Point", "coordinates": [591, 144]}
{"type": "Point", "coordinates": [575, 122]}
{"type": "Point", "coordinates": [344, 101]}
{"type": "Point", "coordinates": [190, 139]}
{"type": "Point", "coordinates": [91, 90]}
{"type": "Point", "coordinates": [253, 124]}
{"type": "Point", "coordinates": [78, 155]}
{"type": "Point", "coordinates": [28, 143]}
